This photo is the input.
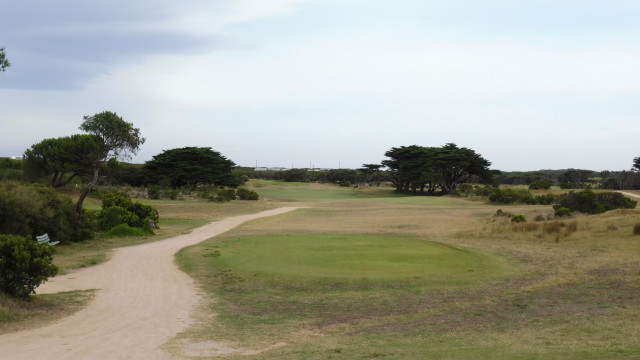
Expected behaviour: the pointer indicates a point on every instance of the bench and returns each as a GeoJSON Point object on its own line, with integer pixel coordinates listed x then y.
{"type": "Point", "coordinates": [44, 239]}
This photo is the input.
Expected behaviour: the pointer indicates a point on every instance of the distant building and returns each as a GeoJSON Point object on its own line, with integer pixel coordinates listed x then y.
{"type": "Point", "coordinates": [269, 169]}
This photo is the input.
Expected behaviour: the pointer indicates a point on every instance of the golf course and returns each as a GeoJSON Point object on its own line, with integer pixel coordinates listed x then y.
{"type": "Point", "coordinates": [367, 273]}
{"type": "Point", "coordinates": [363, 273]}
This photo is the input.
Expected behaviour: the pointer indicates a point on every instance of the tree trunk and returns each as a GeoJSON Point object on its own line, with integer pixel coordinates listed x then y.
{"type": "Point", "coordinates": [88, 189]}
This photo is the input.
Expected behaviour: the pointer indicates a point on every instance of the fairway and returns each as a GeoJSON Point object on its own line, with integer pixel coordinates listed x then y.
{"type": "Point", "coordinates": [313, 192]}
{"type": "Point", "coordinates": [354, 258]}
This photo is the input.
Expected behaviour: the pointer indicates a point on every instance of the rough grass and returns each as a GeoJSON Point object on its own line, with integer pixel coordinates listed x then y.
{"type": "Point", "coordinates": [574, 298]}
{"type": "Point", "coordinates": [19, 314]}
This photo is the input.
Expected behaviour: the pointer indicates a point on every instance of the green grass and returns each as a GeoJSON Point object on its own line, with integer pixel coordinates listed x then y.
{"type": "Point", "coordinates": [275, 285]}
{"type": "Point", "coordinates": [352, 258]}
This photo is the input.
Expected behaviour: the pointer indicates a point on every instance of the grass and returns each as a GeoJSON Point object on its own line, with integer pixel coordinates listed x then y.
{"type": "Point", "coordinates": [16, 314]}
{"type": "Point", "coordinates": [312, 192]}
{"type": "Point", "coordinates": [350, 258]}
{"type": "Point", "coordinates": [327, 282]}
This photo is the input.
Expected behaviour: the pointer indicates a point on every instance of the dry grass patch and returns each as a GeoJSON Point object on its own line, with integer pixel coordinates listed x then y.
{"type": "Point", "coordinates": [38, 310]}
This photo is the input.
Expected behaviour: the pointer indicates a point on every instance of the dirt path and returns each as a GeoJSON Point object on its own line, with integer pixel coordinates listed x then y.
{"type": "Point", "coordinates": [143, 301]}
{"type": "Point", "coordinates": [629, 194]}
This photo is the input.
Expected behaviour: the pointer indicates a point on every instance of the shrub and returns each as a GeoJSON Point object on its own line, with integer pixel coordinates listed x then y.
{"type": "Point", "coordinates": [116, 215]}
{"type": "Point", "coordinates": [540, 185]}
{"type": "Point", "coordinates": [34, 210]}
{"type": "Point", "coordinates": [124, 230]}
{"type": "Point", "coordinates": [519, 218]}
{"type": "Point", "coordinates": [636, 229]}
{"type": "Point", "coordinates": [546, 199]}
{"type": "Point", "coordinates": [614, 200]}
{"type": "Point", "coordinates": [24, 265]}
{"type": "Point", "coordinates": [588, 202]}
{"type": "Point", "coordinates": [562, 212]}
{"type": "Point", "coordinates": [142, 213]}
{"type": "Point", "coordinates": [510, 196]}
{"type": "Point", "coordinates": [246, 194]}
{"type": "Point", "coordinates": [154, 192]}
{"type": "Point", "coordinates": [172, 194]}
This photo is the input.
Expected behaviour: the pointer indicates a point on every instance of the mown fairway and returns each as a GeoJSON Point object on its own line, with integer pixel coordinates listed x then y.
{"type": "Point", "coordinates": [363, 273]}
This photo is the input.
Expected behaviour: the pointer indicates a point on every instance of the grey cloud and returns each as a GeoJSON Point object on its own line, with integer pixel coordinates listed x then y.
{"type": "Point", "coordinates": [58, 45]}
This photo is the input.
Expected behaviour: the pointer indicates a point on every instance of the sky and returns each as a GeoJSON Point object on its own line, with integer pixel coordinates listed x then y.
{"type": "Point", "coordinates": [528, 84]}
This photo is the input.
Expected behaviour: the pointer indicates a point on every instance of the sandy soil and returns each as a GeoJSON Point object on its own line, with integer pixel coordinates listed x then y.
{"type": "Point", "coordinates": [143, 300]}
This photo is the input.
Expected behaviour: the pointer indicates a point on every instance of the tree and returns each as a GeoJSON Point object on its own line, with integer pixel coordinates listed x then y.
{"type": "Point", "coordinates": [117, 139]}
{"type": "Point", "coordinates": [636, 164]}
{"type": "Point", "coordinates": [456, 166]}
{"type": "Point", "coordinates": [417, 168]}
{"type": "Point", "coordinates": [190, 166]}
{"type": "Point", "coordinates": [4, 62]}
{"type": "Point", "coordinates": [575, 179]}
{"type": "Point", "coordinates": [62, 159]}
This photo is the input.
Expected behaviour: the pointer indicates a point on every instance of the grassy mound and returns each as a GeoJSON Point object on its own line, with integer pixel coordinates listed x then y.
{"type": "Point", "coordinates": [267, 286]}
{"type": "Point", "coordinates": [355, 258]}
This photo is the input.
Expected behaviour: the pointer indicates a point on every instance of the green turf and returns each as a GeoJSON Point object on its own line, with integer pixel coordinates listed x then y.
{"type": "Point", "coordinates": [354, 257]}
{"type": "Point", "coordinates": [267, 286]}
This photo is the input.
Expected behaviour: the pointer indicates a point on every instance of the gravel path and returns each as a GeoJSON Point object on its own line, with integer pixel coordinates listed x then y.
{"type": "Point", "coordinates": [143, 300]}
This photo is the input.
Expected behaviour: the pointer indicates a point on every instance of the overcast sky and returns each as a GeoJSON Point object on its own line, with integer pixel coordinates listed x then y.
{"type": "Point", "coordinates": [528, 84]}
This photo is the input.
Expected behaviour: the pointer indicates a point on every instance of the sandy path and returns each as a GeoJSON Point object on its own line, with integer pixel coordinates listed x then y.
{"type": "Point", "coordinates": [629, 194]}
{"type": "Point", "coordinates": [143, 301]}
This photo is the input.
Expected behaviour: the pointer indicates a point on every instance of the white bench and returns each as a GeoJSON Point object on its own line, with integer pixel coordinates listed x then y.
{"type": "Point", "coordinates": [44, 239]}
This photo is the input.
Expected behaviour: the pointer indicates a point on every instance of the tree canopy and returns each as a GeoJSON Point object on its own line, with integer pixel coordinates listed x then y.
{"type": "Point", "coordinates": [62, 159]}
{"type": "Point", "coordinates": [636, 164]}
{"type": "Point", "coordinates": [575, 179]}
{"type": "Point", "coordinates": [4, 62]}
{"type": "Point", "coordinates": [417, 168]}
{"type": "Point", "coordinates": [190, 166]}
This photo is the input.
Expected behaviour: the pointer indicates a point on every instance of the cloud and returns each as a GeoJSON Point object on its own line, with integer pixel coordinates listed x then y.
{"type": "Point", "coordinates": [58, 45]}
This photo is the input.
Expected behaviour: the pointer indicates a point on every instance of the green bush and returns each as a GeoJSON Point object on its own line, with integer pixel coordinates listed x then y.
{"type": "Point", "coordinates": [153, 191]}
{"type": "Point", "coordinates": [546, 199]}
{"type": "Point", "coordinates": [588, 202]}
{"type": "Point", "coordinates": [117, 215]}
{"type": "Point", "coordinates": [540, 185]}
{"type": "Point", "coordinates": [614, 200]}
{"type": "Point", "coordinates": [172, 194]}
{"type": "Point", "coordinates": [246, 194]}
{"type": "Point", "coordinates": [34, 210]}
{"type": "Point", "coordinates": [24, 265]}
{"type": "Point", "coordinates": [510, 196]}
{"type": "Point", "coordinates": [142, 213]}
{"type": "Point", "coordinates": [124, 230]}
{"type": "Point", "coordinates": [519, 218]}
{"type": "Point", "coordinates": [562, 212]}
